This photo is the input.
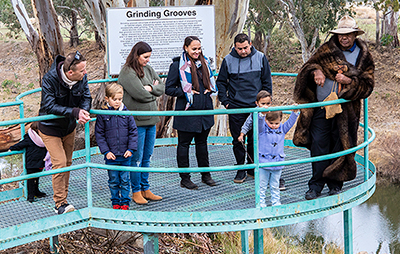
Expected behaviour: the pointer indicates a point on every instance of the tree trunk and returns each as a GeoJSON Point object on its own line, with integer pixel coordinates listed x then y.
{"type": "Point", "coordinates": [230, 17]}
{"type": "Point", "coordinates": [258, 41]}
{"type": "Point", "coordinates": [99, 42]}
{"type": "Point", "coordinates": [391, 19]}
{"type": "Point", "coordinates": [49, 28]}
{"type": "Point", "coordinates": [73, 32]}
{"type": "Point", "coordinates": [39, 42]}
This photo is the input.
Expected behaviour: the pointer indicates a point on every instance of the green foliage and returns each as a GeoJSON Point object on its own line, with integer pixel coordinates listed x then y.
{"type": "Point", "coordinates": [9, 19]}
{"type": "Point", "coordinates": [66, 10]}
{"type": "Point", "coordinates": [259, 17]}
{"type": "Point", "coordinates": [384, 5]}
{"type": "Point", "coordinates": [314, 16]}
{"type": "Point", "coordinates": [156, 2]}
{"type": "Point", "coordinates": [282, 51]}
{"type": "Point", "coordinates": [10, 85]}
{"type": "Point", "coordinates": [386, 39]}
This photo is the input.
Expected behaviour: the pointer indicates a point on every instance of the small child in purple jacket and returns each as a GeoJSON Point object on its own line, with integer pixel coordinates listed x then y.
{"type": "Point", "coordinates": [116, 137]}
{"type": "Point", "coordinates": [271, 138]}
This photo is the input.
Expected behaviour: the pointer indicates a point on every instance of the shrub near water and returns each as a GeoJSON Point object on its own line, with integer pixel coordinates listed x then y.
{"type": "Point", "coordinates": [275, 242]}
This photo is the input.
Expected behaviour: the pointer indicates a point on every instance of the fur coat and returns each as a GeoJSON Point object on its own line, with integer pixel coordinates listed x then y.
{"type": "Point", "coordinates": [328, 58]}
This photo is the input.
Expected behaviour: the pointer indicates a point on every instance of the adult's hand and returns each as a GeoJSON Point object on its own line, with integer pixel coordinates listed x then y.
{"type": "Point", "coordinates": [84, 116]}
{"type": "Point", "coordinates": [342, 79]}
{"type": "Point", "coordinates": [148, 88]}
{"type": "Point", "coordinates": [319, 77]}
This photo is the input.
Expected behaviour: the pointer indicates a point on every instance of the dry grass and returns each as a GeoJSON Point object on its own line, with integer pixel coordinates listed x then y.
{"type": "Point", "coordinates": [389, 164]}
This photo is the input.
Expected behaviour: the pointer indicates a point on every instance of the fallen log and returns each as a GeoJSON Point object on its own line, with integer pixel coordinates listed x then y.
{"type": "Point", "coordinates": [10, 136]}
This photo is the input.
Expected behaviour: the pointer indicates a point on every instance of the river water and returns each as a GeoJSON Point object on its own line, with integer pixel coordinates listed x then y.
{"type": "Point", "coordinates": [376, 224]}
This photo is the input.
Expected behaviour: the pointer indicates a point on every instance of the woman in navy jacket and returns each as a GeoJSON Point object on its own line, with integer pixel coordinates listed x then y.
{"type": "Point", "coordinates": [190, 79]}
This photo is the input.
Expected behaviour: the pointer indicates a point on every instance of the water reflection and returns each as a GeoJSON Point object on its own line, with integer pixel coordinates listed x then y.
{"type": "Point", "coordinates": [376, 224]}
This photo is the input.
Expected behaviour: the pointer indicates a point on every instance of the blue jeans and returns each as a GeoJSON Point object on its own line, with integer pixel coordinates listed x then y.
{"type": "Point", "coordinates": [141, 158]}
{"type": "Point", "coordinates": [118, 181]}
{"type": "Point", "coordinates": [270, 177]}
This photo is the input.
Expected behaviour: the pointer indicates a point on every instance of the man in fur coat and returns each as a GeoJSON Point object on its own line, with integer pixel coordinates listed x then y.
{"type": "Point", "coordinates": [341, 67]}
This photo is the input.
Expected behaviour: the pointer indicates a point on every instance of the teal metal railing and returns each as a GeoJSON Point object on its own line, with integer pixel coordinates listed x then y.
{"type": "Point", "coordinates": [315, 208]}
{"type": "Point", "coordinates": [256, 165]}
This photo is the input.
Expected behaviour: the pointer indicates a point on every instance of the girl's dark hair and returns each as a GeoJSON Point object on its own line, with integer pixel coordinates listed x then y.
{"type": "Point", "coordinates": [274, 115]}
{"type": "Point", "coordinates": [204, 68]}
{"type": "Point", "coordinates": [35, 127]}
{"type": "Point", "coordinates": [133, 58]}
{"type": "Point", "coordinates": [263, 94]}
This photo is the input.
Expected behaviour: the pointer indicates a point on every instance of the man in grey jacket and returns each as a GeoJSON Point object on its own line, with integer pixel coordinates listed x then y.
{"type": "Point", "coordinates": [243, 73]}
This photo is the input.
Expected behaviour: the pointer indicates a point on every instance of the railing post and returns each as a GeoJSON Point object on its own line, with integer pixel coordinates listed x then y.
{"type": "Point", "coordinates": [365, 140]}
{"type": "Point", "coordinates": [255, 158]}
{"type": "Point", "coordinates": [54, 244]}
{"type": "Point", "coordinates": [88, 169]}
{"type": "Point", "coordinates": [348, 231]}
{"type": "Point", "coordinates": [150, 243]}
{"type": "Point", "coordinates": [258, 241]}
{"type": "Point", "coordinates": [22, 126]}
{"type": "Point", "coordinates": [244, 235]}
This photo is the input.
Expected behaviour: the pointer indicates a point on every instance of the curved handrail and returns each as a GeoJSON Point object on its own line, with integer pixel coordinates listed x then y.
{"type": "Point", "coordinates": [193, 221]}
{"type": "Point", "coordinates": [184, 113]}
{"type": "Point", "coordinates": [191, 169]}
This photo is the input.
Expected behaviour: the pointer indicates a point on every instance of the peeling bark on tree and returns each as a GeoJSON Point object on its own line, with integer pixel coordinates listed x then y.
{"type": "Point", "coordinates": [390, 26]}
{"type": "Point", "coordinates": [39, 42]}
{"type": "Point", "coordinates": [230, 17]}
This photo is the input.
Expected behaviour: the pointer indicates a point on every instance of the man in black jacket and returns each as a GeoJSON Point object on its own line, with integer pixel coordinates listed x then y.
{"type": "Point", "coordinates": [65, 92]}
{"type": "Point", "coordinates": [243, 73]}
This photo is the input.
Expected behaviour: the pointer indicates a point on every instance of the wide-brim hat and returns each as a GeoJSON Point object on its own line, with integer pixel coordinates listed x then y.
{"type": "Point", "coordinates": [347, 25]}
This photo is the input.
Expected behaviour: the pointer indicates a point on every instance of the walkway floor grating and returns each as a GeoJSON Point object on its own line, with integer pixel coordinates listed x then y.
{"type": "Point", "coordinates": [223, 197]}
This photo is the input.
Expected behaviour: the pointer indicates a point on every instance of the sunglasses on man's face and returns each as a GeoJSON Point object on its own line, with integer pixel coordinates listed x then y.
{"type": "Point", "coordinates": [77, 57]}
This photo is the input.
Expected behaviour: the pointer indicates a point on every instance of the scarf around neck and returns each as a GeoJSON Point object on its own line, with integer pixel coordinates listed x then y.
{"type": "Point", "coordinates": [35, 138]}
{"type": "Point", "coordinates": [185, 77]}
{"type": "Point", "coordinates": [70, 83]}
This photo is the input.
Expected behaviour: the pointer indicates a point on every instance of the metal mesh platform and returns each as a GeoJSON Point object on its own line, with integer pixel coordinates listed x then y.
{"type": "Point", "coordinates": [227, 195]}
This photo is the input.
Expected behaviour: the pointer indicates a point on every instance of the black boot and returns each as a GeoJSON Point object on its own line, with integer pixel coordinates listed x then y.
{"type": "Point", "coordinates": [187, 183]}
{"type": "Point", "coordinates": [31, 190]}
{"type": "Point", "coordinates": [206, 178]}
{"type": "Point", "coordinates": [38, 193]}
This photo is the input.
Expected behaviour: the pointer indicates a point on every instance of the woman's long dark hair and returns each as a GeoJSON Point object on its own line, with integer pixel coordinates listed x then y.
{"type": "Point", "coordinates": [133, 58]}
{"type": "Point", "coordinates": [204, 68]}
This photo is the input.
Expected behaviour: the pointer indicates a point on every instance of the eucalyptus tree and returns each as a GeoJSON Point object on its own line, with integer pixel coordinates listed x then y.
{"type": "Point", "coordinates": [46, 41]}
{"type": "Point", "coordinates": [386, 33]}
{"type": "Point", "coordinates": [307, 18]}
{"type": "Point", "coordinates": [8, 18]}
{"type": "Point", "coordinates": [74, 18]}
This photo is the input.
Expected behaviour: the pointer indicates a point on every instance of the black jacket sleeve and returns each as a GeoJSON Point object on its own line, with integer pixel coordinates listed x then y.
{"type": "Point", "coordinates": [173, 83]}
{"type": "Point", "coordinates": [222, 83]}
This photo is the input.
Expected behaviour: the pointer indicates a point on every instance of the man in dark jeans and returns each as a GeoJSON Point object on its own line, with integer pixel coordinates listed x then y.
{"type": "Point", "coordinates": [243, 73]}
